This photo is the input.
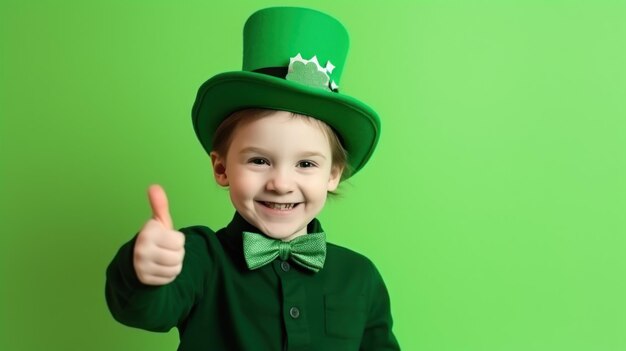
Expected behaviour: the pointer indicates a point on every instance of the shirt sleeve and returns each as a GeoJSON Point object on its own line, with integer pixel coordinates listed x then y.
{"type": "Point", "coordinates": [378, 334]}
{"type": "Point", "coordinates": [156, 308]}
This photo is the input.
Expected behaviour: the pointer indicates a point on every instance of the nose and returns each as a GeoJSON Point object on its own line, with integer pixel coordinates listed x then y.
{"type": "Point", "coordinates": [280, 181]}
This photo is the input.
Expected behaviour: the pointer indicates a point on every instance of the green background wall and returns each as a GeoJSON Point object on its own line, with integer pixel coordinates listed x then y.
{"type": "Point", "coordinates": [495, 206]}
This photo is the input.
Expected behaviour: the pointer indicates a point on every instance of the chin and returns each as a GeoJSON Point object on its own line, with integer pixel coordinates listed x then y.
{"type": "Point", "coordinates": [283, 233]}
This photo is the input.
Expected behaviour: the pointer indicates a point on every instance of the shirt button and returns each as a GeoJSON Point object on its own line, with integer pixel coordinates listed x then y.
{"type": "Point", "coordinates": [294, 312]}
{"type": "Point", "coordinates": [285, 266]}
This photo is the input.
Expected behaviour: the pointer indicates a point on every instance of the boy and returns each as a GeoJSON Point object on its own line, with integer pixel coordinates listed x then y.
{"type": "Point", "coordinates": [280, 137]}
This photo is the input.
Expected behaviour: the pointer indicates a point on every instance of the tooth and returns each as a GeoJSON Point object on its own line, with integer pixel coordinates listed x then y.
{"type": "Point", "coordinates": [279, 206]}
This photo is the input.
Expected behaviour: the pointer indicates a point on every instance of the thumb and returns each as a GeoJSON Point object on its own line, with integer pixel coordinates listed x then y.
{"type": "Point", "coordinates": [160, 208]}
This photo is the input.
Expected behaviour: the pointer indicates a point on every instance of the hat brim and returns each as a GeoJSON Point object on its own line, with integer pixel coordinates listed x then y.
{"type": "Point", "coordinates": [357, 125]}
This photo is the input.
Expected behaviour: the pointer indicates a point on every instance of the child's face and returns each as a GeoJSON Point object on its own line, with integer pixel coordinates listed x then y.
{"type": "Point", "coordinates": [279, 170]}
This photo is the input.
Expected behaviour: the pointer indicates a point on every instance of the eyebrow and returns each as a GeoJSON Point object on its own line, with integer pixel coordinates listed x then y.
{"type": "Point", "coordinates": [258, 150]}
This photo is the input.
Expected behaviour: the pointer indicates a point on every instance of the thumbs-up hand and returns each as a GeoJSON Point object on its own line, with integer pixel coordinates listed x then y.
{"type": "Point", "coordinates": [159, 249]}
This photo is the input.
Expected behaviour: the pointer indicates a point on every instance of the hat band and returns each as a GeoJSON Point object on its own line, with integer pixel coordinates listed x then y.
{"type": "Point", "coordinates": [280, 72]}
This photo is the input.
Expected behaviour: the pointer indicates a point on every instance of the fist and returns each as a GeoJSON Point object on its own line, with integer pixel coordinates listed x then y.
{"type": "Point", "coordinates": [159, 249]}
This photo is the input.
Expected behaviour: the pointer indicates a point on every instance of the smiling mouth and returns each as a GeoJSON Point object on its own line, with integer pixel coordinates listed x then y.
{"type": "Point", "coordinates": [279, 206]}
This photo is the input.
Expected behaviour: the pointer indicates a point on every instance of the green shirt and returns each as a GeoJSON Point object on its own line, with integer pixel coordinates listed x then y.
{"type": "Point", "coordinates": [217, 303]}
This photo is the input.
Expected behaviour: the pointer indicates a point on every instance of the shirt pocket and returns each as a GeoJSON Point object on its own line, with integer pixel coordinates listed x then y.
{"type": "Point", "coordinates": [345, 315]}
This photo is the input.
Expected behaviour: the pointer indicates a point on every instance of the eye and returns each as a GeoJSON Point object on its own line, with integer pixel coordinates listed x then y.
{"type": "Point", "coordinates": [258, 161]}
{"type": "Point", "coordinates": [306, 164]}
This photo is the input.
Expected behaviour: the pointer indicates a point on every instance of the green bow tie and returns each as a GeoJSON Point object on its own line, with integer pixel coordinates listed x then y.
{"type": "Point", "coordinates": [308, 250]}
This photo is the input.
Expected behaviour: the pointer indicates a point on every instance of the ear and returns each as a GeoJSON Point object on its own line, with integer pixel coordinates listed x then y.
{"type": "Point", "coordinates": [219, 168]}
{"type": "Point", "coordinates": [335, 177]}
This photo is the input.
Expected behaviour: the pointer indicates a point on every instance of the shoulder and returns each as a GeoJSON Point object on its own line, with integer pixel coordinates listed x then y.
{"type": "Point", "coordinates": [198, 235]}
{"type": "Point", "coordinates": [200, 240]}
{"type": "Point", "coordinates": [345, 253]}
{"type": "Point", "coordinates": [197, 230]}
{"type": "Point", "coordinates": [350, 273]}
{"type": "Point", "coordinates": [340, 256]}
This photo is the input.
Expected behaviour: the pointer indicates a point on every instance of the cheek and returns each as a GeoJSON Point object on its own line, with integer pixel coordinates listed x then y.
{"type": "Point", "coordinates": [318, 189]}
{"type": "Point", "coordinates": [243, 184]}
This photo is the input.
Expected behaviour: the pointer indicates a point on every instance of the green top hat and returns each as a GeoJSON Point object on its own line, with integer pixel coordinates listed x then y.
{"type": "Point", "coordinates": [292, 61]}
